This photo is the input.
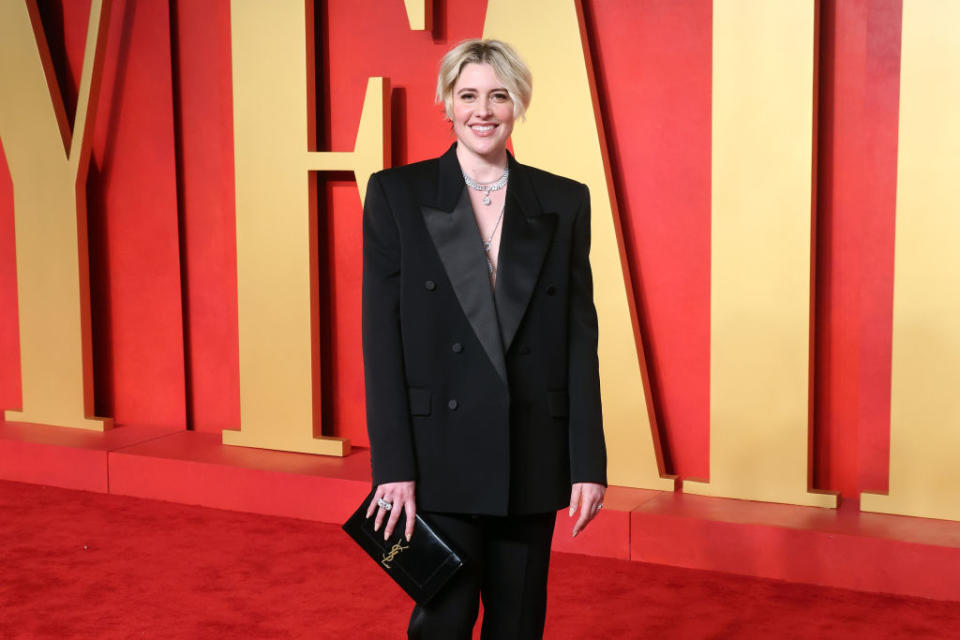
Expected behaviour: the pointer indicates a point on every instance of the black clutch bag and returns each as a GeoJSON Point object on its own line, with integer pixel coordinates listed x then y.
{"type": "Point", "coordinates": [421, 567]}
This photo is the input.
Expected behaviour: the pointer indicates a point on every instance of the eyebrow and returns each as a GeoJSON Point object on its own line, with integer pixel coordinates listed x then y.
{"type": "Point", "coordinates": [462, 89]}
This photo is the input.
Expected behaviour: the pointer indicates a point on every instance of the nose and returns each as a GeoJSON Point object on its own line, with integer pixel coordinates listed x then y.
{"type": "Point", "coordinates": [483, 108]}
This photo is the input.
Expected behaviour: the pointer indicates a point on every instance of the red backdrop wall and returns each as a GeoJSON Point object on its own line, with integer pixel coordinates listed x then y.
{"type": "Point", "coordinates": [162, 234]}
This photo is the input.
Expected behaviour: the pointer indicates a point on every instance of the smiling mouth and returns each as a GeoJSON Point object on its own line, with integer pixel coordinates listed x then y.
{"type": "Point", "coordinates": [482, 129]}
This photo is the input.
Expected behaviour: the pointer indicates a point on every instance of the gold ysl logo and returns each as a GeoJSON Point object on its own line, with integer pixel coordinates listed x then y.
{"type": "Point", "coordinates": [394, 550]}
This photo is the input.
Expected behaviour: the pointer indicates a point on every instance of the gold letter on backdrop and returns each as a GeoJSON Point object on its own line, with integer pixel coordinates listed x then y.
{"type": "Point", "coordinates": [277, 285]}
{"type": "Point", "coordinates": [48, 165]}
{"type": "Point", "coordinates": [763, 66]}
{"type": "Point", "coordinates": [549, 36]}
{"type": "Point", "coordinates": [419, 15]}
{"type": "Point", "coordinates": [925, 402]}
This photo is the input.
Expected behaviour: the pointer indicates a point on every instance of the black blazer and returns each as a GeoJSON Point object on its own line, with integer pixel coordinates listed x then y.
{"type": "Point", "coordinates": [490, 400]}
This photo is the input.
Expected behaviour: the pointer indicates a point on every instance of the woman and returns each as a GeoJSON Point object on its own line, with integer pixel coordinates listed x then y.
{"type": "Point", "coordinates": [480, 352]}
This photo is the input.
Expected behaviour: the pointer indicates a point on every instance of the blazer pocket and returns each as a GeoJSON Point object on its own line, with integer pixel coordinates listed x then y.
{"type": "Point", "coordinates": [558, 403]}
{"type": "Point", "coordinates": [419, 399]}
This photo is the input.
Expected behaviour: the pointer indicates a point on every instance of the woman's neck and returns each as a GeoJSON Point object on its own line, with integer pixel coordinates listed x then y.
{"type": "Point", "coordinates": [483, 169]}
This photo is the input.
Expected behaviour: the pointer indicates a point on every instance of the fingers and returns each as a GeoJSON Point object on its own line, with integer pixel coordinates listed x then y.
{"type": "Point", "coordinates": [575, 498]}
{"type": "Point", "coordinates": [586, 515]}
{"type": "Point", "coordinates": [381, 512]}
{"type": "Point", "coordinates": [392, 521]}
{"type": "Point", "coordinates": [589, 499]}
{"type": "Point", "coordinates": [411, 508]}
{"type": "Point", "coordinates": [373, 501]}
{"type": "Point", "coordinates": [401, 495]}
{"type": "Point", "coordinates": [375, 506]}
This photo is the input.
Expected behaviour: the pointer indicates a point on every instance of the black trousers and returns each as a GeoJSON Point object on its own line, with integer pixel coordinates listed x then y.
{"type": "Point", "coordinates": [506, 560]}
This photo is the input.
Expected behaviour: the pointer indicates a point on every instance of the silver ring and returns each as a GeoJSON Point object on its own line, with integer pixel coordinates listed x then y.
{"type": "Point", "coordinates": [383, 504]}
{"type": "Point", "coordinates": [599, 506]}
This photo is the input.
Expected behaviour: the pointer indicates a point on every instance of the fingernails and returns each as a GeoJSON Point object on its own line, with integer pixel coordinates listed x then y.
{"type": "Point", "coordinates": [572, 511]}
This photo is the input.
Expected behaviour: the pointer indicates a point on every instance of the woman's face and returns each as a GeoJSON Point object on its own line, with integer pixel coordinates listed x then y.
{"type": "Point", "coordinates": [482, 111]}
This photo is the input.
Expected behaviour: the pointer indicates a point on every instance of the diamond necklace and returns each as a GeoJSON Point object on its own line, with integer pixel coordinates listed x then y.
{"type": "Point", "coordinates": [496, 185]}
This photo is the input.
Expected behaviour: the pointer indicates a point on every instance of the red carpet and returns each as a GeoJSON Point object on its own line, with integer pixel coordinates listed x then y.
{"type": "Point", "coordinates": [86, 565]}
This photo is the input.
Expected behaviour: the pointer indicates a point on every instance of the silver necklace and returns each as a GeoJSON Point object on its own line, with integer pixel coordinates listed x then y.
{"type": "Point", "coordinates": [489, 241]}
{"type": "Point", "coordinates": [496, 185]}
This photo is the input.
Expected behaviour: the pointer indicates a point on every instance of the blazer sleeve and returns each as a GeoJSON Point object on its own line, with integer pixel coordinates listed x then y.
{"type": "Point", "coordinates": [388, 418]}
{"type": "Point", "coordinates": [588, 454]}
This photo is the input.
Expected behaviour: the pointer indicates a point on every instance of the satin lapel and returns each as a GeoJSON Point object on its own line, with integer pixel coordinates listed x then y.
{"type": "Point", "coordinates": [458, 243]}
{"type": "Point", "coordinates": [527, 233]}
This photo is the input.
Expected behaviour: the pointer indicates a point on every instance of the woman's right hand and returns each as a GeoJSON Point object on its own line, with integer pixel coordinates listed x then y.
{"type": "Point", "coordinates": [401, 496]}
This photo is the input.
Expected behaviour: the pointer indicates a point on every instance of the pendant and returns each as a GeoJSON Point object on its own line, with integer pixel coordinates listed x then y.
{"type": "Point", "coordinates": [486, 199]}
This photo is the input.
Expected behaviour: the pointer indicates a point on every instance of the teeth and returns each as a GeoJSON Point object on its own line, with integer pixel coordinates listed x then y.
{"type": "Point", "coordinates": [483, 127]}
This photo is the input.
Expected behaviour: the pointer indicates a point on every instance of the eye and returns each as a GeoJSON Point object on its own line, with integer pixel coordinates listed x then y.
{"type": "Point", "coordinates": [501, 96]}
{"type": "Point", "coordinates": [468, 96]}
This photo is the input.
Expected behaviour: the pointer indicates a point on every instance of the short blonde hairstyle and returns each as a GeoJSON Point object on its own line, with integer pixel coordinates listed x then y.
{"type": "Point", "coordinates": [506, 63]}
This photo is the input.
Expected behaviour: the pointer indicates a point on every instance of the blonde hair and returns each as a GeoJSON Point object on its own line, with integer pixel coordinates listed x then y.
{"type": "Point", "coordinates": [506, 63]}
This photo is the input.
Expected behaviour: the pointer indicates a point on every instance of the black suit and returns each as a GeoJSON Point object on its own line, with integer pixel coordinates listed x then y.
{"type": "Point", "coordinates": [490, 400]}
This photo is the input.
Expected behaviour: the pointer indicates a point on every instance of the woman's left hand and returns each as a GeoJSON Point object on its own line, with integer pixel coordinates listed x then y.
{"type": "Point", "coordinates": [588, 497]}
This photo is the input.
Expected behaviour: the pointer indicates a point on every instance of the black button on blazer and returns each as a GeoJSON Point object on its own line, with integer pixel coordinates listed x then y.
{"type": "Point", "coordinates": [486, 431]}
